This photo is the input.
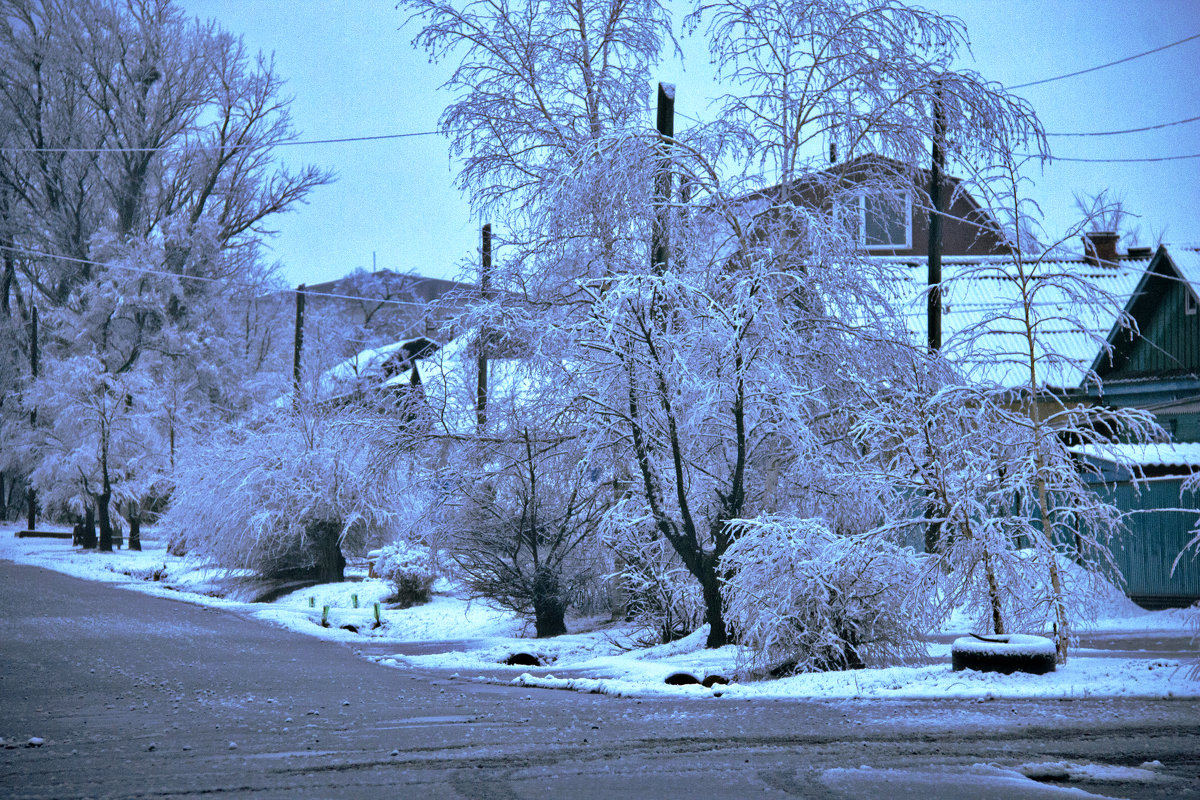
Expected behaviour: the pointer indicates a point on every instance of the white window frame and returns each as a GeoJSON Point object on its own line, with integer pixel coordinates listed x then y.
{"type": "Point", "coordinates": [906, 199]}
{"type": "Point", "coordinates": [1189, 301]}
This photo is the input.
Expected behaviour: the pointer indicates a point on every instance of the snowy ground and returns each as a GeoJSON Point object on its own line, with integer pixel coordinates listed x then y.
{"type": "Point", "coordinates": [604, 658]}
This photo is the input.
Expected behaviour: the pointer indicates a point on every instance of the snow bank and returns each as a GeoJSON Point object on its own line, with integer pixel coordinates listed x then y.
{"type": "Point", "coordinates": [607, 658]}
{"type": "Point", "coordinates": [983, 780]}
{"type": "Point", "coordinates": [1080, 678]}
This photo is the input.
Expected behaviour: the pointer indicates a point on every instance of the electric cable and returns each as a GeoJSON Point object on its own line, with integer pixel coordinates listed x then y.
{"type": "Point", "coordinates": [1104, 66]}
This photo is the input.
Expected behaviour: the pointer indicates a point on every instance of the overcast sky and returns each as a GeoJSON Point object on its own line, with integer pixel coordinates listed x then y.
{"type": "Point", "coordinates": [352, 72]}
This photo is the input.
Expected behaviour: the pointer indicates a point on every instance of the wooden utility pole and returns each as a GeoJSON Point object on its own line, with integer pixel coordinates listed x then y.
{"type": "Point", "coordinates": [33, 371]}
{"type": "Point", "coordinates": [936, 212]}
{"type": "Point", "coordinates": [933, 530]}
{"type": "Point", "coordinates": [485, 294]}
{"type": "Point", "coordinates": [660, 246]}
{"type": "Point", "coordinates": [297, 346]}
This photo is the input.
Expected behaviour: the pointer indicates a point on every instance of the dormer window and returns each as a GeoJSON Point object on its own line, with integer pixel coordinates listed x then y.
{"type": "Point", "coordinates": [885, 221]}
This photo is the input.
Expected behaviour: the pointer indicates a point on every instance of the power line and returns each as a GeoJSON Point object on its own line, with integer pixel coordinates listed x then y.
{"type": "Point", "coordinates": [973, 306]}
{"type": "Point", "coordinates": [1147, 160]}
{"type": "Point", "coordinates": [411, 134]}
{"type": "Point", "coordinates": [1130, 130]}
{"type": "Point", "coordinates": [226, 146]}
{"type": "Point", "coordinates": [1103, 66]}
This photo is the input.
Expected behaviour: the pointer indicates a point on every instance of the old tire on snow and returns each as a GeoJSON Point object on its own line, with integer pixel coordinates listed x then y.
{"type": "Point", "coordinates": [1006, 653]}
{"type": "Point", "coordinates": [682, 679]}
{"type": "Point", "coordinates": [523, 660]}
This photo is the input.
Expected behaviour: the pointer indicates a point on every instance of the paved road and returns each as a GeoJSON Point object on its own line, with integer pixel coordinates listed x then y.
{"type": "Point", "coordinates": [140, 697]}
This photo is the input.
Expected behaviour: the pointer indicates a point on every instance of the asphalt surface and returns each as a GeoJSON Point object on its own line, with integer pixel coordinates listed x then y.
{"type": "Point", "coordinates": [135, 696]}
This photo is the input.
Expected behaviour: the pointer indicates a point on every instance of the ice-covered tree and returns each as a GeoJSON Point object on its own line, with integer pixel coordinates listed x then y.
{"type": "Point", "coordinates": [805, 599]}
{"type": "Point", "coordinates": [136, 183]}
{"type": "Point", "coordinates": [287, 496]}
{"type": "Point", "coordinates": [93, 446]}
{"type": "Point", "coordinates": [723, 371]}
{"type": "Point", "coordinates": [977, 438]}
{"type": "Point", "coordinates": [724, 382]}
{"type": "Point", "coordinates": [536, 89]}
{"type": "Point", "coordinates": [854, 77]}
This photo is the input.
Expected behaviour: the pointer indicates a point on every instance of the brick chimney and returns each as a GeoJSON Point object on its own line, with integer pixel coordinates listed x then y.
{"type": "Point", "coordinates": [1100, 248]}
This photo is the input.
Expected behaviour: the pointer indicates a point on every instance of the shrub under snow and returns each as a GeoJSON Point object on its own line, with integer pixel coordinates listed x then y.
{"type": "Point", "coordinates": [657, 591]}
{"type": "Point", "coordinates": [284, 497]}
{"type": "Point", "coordinates": [409, 568]}
{"type": "Point", "coordinates": [803, 599]}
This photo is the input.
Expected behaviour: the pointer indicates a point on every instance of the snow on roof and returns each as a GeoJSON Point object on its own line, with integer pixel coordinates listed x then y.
{"type": "Point", "coordinates": [982, 314]}
{"type": "Point", "coordinates": [1172, 454]}
{"type": "Point", "coordinates": [447, 376]}
{"type": "Point", "coordinates": [364, 369]}
{"type": "Point", "coordinates": [358, 366]}
{"type": "Point", "coordinates": [1187, 261]}
{"type": "Point", "coordinates": [981, 324]}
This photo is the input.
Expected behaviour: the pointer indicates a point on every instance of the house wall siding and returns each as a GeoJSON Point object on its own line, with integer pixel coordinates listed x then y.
{"type": "Point", "coordinates": [1154, 536]}
{"type": "Point", "coordinates": [1170, 340]}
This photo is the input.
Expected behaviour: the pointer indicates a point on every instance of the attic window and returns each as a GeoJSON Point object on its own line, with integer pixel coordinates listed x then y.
{"type": "Point", "coordinates": [1189, 302]}
{"type": "Point", "coordinates": [886, 221]}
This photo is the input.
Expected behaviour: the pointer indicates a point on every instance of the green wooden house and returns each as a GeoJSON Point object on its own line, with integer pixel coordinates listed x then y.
{"type": "Point", "coordinates": [1155, 366]}
{"type": "Point", "coordinates": [1148, 482]}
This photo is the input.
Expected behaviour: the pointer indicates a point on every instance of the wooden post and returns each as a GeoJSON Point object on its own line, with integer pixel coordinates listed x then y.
{"type": "Point", "coordinates": [33, 371]}
{"type": "Point", "coordinates": [135, 525]}
{"type": "Point", "coordinates": [934, 306]}
{"type": "Point", "coordinates": [933, 530]}
{"type": "Point", "coordinates": [297, 346]}
{"type": "Point", "coordinates": [485, 294]}
{"type": "Point", "coordinates": [660, 244]}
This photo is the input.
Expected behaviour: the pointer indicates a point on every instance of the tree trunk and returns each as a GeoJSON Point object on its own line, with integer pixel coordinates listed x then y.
{"type": "Point", "coordinates": [89, 528]}
{"type": "Point", "coordinates": [135, 525]}
{"type": "Point", "coordinates": [106, 537]}
{"type": "Point", "coordinates": [7, 280]}
{"type": "Point", "coordinates": [714, 606]}
{"type": "Point", "coordinates": [548, 608]}
{"type": "Point", "coordinates": [330, 564]}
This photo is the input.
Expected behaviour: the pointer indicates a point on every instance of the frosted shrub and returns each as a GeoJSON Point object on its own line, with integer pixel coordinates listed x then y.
{"type": "Point", "coordinates": [284, 498]}
{"type": "Point", "coordinates": [409, 569]}
{"type": "Point", "coordinates": [657, 590]}
{"type": "Point", "coordinates": [524, 516]}
{"type": "Point", "coordinates": [804, 599]}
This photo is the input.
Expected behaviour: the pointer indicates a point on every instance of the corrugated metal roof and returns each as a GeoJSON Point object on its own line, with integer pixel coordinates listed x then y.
{"type": "Point", "coordinates": [1187, 261]}
{"type": "Point", "coordinates": [1173, 454]}
{"type": "Point", "coordinates": [1073, 307]}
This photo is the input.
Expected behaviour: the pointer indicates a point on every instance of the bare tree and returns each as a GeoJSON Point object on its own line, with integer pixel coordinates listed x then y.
{"type": "Point", "coordinates": [524, 523]}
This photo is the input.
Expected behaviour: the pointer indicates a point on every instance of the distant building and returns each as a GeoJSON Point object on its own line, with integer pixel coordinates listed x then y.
{"type": "Point", "coordinates": [891, 206]}
{"type": "Point", "coordinates": [391, 305]}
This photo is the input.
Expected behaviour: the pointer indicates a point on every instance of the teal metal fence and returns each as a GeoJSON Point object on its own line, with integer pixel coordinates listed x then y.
{"type": "Point", "coordinates": [1155, 535]}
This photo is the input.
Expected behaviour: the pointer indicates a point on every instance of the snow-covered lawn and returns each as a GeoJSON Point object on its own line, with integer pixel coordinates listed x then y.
{"type": "Point", "coordinates": [605, 657]}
